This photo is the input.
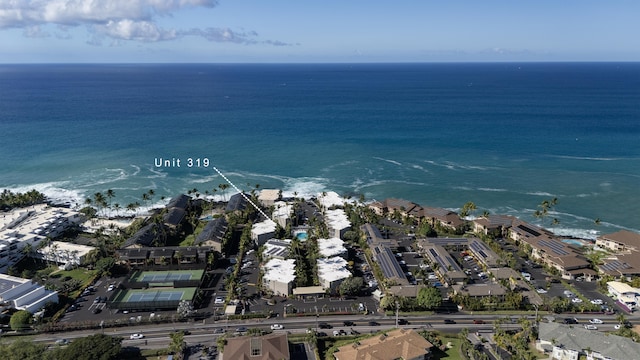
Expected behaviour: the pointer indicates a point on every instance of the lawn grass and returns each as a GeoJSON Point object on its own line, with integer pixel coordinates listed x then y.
{"type": "Point", "coordinates": [81, 274]}
{"type": "Point", "coordinates": [452, 353]}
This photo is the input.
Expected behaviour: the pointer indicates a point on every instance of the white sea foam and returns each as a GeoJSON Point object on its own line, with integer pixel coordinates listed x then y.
{"type": "Point", "coordinates": [54, 191]}
{"type": "Point", "coordinates": [493, 189]}
{"type": "Point", "coordinates": [586, 158]}
{"type": "Point", "coordinates": [388, 160]}
{"type": "Point", "coordinates": [539, 193]}
{"type": "Point", "coordinates": [304, 187]}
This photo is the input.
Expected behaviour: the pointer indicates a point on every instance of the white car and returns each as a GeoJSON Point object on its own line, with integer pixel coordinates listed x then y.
{"type": "Point", "coordinates": [596, 321]}
{"type": "Point", "coordinates": [617, 326]}
{"type": "Point", "coordinates": [576, 300]}
{"type": "Point", "coordinates": [111, 287]}
{"type": "Point", "coordinates": [590, 327]}
{"type": "Point", "coordinates": [597, 301]}
{"type": "Point", "coordinates": [541, 291]}
{"type": "Point", "coordinates": [277, 327]}
{"type": "Point", "coordinates": [219, 300]}
{"type": "Point", "coordinates": [136, 336]}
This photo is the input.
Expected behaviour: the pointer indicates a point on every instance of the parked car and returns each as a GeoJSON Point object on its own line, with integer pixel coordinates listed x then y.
{"type": "Point", "coordinates": [62, 342]}
{"type": "Point", "coordinates": [218, 331]}
{"type": "Point", "coordinates": [218, 301]}
{"type": "Point", "coordinates": [541, 291]}
{"type": "Point", "coordinates": [241, 330]}
{"type": "Point", "coordinates": [136, 336]}
{"type": "Point", "coordinates": [277, 327]}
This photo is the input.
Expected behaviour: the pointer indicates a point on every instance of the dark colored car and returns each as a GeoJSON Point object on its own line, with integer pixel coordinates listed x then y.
{"type": "Point", "coordinates": [218, 331]}
{"type": "Point", "coordinates": [478, 321]}
{"type": "Point", "coordinates": [321, 334]}
{"type": "Point", "coordinates": [373, 323]}
{"type": "Point", "coordinates": [570, 321]}
{"type": "Point", "coordinates": [349, 323]}
{"type": "Point", "coordinates": [324, 325]}
{"type": "Point", "coordinates": [402, 322]}
{"type": "Point", "coordinates": [449, 321]}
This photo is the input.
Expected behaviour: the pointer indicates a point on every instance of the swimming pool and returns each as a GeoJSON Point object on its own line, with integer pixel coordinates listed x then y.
{"type": "Point", "coordinates": [302, 235]}
{"type": "Point", "coordinates": [573, 242]}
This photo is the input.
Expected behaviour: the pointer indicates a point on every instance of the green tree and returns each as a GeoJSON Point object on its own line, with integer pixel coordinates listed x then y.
{"type": "Point", "coordinates": [24, 350]}
{"type": "Point", "coordinates": [21, 320]}
{"type": "Point", "coordinates": [429, 298]}
{"type": "Point", "coordinates": [177, 344]}
{"type": "Point", "coordinates": [351, 286]}
{"type": "Point", "coordinates": [94, 347]}
{"type": "Point", "coordinates": [467, 209]}
{"type": "Point", "coordinates": [104, 265]}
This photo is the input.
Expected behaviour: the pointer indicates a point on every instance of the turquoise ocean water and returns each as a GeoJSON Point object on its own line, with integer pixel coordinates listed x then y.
{"type": "Point", "coordinates": [505, 136]}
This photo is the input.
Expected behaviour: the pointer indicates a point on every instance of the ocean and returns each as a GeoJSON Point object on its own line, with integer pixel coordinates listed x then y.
{"type": "Point", "coordinates": [505, 136]}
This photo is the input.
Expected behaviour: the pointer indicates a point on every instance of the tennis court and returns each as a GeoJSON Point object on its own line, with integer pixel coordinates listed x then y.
{"type": "Point", "coordinates": [158, 295]}
{"type": "Point", "coordinates": [168, 276]}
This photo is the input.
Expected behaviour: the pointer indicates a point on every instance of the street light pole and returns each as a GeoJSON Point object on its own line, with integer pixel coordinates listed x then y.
{"type": "Point", "coordinates": [397, 310]}
{"type": "Point", "coordinates": [316, 307]}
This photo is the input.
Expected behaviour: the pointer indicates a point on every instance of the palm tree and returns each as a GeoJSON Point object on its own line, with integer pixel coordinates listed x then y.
{"type": "Point", "coordinates": [110, 195]}
{"type": "Point", "coordinates": [27, 250]}
{"type": "Point", "coordinates": [223, 188]}
{"type": "Point", "coordinates": [117, 208]}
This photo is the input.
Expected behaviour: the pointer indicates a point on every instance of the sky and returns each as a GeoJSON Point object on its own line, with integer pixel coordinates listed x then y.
{"type": "Point", "coordinates": [295, 31]}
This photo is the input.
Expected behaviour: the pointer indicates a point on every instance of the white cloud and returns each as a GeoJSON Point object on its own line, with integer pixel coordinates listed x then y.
{"type": "Point", "coordinates": [119, 20]}
{"type": "Point", "coordinates": [127, 29]}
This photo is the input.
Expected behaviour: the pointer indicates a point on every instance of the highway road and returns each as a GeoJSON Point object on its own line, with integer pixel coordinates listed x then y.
{"type": "Point", "coordinates": [157, 335]}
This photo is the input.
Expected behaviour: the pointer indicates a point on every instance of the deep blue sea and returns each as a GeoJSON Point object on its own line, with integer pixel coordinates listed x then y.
{"type": "Point", "coordinates": [505, 136]}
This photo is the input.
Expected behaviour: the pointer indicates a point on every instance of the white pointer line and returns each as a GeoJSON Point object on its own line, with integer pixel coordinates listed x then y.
{"type": "Point", "coordinates": [242, 194]}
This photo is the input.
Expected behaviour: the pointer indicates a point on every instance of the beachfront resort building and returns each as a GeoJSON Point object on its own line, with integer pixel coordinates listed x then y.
{"type": "Point", "coordinates": [67, 255]}
{"type": "Point", "coordinates": [331, 272]}
{"type": "Point", "coordinates": [22, 294]}
{"type": "Point", "coordinates": [268, 197]}
{"type": "Point", "coordinates": [621, 241]}
{"type": "Point", "coordinates": [263, 231]}
{"type": "Point", "coordinates": [337, 222]}
{"type": "Point", "coordinates": [29, 227]}
{"type": "Point", "coordinates": [276, 249]}
{"type": "Point", "coordinates": [403, 344]}
{"type": "Point", "coordinates": [332, 247]}
{"type": "Point", "coordinates": [548, 249]}
{"type": "Point", "coordinates": [213, 234]}
{"type": "Point", "coordinates": [279, 275]}
{"type": "Point", "coordinates": [282, 213]}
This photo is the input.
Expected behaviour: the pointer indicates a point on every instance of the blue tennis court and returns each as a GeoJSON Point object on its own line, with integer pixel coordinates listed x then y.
{"type": "Point", "coordinates": [159, 295]}
{"type": "Point", "coordinates": [165, 277]}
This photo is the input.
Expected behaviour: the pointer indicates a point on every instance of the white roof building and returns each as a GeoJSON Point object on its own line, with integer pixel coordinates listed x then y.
{"type": "Point", "coordinates": [276, 249]}
{"type": "Point", "coordinates": [282, 213]}
{"type": "Point", "coordinates": [263, 231]}
{"type": "Point", "coordinates": [64, 253]}
{"type": "Point", "coordinates": [279, 276]}
{"type": "Point", "coordinates": [22, 294]}
{"type": "Point", "coordinates": [32, 225]}
{"type": "Point", "coordinates": [329, 199]}
{"type": "Point", "coordinates": [332, 247]}
{"type": "Point", "coordinates": [268, 197]}
{"type": "Point", "coordinates": [337, 222]}
{"type": "Point", "coordinates": [332, 271]}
